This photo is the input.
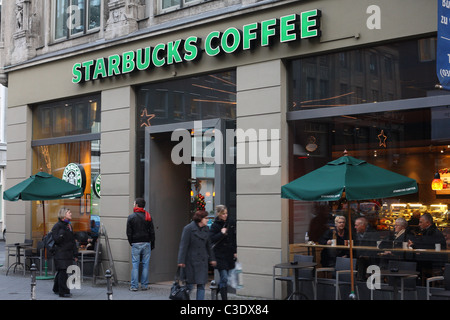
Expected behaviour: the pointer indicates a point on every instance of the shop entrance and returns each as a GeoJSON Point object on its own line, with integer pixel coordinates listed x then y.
{"type": "Point", "coordinates": [170, 188]}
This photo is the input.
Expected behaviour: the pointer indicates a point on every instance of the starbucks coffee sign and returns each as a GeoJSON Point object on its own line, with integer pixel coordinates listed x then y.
{"type": "Point", "coordinates": [286, 29]}
{"type": "Point", "coordinates": [97, 185]}
{"type": "Point", "coordinates": [74, 174]}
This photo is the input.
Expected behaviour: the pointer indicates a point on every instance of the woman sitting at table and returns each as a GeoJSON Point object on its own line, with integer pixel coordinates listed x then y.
{"type": "Point", "coordinates": [396, 238]}
{"type": "Point", "coordinates": [339, 234]}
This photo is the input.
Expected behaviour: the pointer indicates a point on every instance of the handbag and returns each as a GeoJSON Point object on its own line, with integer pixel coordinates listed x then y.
{"type": "Point", "coordinates": [179, 290]}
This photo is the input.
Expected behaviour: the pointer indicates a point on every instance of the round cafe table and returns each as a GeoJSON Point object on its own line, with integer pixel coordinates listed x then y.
{"type": "Point", "coordinates": [296, 267]}
{"type": "Point", "coordinates": [398, 274]}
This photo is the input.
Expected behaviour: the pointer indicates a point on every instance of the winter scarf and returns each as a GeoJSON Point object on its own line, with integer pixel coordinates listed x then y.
{"type": "Point", "coordinates": [147, 215]}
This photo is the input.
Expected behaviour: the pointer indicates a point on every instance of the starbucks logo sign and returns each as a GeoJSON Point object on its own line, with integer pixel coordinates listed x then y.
{"type": "Point", "coordinates": [97, 183]}
{"type": "Point", "coordinates": [74, 174]}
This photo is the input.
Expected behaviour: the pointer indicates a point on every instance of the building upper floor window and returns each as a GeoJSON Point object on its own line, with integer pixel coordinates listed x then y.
{"type": "Point", "coordinates": [75, 17]}
{"type": "Point", "coordinates": [170, 5]}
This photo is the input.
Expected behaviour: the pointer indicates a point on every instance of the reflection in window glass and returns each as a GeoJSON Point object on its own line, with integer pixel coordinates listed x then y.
{"type": "Point", "coordinates": [53, 159]}
{"type": "Point", "coordinates": [76, 16]}
{"type": "Point", "coordinates": [69, 117]}
{"type": "Point", "coordinates": [196, 98]}
{"type": "Point", "coordinates": [413, 143]}
{"type": "Point", "coordinates": [394, 71]}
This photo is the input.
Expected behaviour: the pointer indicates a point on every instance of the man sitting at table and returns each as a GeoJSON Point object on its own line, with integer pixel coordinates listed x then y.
{"type": "Point", "coordinates": [427, 238]}
{"type": "Point", "coordinates": [364, 237]}
{"type": "Point", "coordinates": [429, 234]}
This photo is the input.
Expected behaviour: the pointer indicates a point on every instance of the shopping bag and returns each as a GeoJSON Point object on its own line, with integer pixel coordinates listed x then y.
{"type": "Point", "coordinates": [179, 290]}
{"type": "Point", "coordinates": [235, 276]}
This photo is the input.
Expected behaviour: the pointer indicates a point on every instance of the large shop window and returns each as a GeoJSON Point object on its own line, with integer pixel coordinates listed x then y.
{"type": "Point", "coordinates": [414, 142]}
{"type": "Point", "coordinates": [66, 144]}
{"type": "Point", "coordinates": [401, 70]}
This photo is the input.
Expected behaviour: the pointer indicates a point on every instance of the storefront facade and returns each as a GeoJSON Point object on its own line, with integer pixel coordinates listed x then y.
{"type": "Point", "coordinates": [286, 73]}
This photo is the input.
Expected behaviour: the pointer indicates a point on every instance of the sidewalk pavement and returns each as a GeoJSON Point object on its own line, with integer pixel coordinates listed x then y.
{"type": "Point", "coordinates": [17, 286]}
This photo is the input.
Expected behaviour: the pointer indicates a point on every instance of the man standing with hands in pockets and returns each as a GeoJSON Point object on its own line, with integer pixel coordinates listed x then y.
{"type": "Point", "coordinates": [141, 236]}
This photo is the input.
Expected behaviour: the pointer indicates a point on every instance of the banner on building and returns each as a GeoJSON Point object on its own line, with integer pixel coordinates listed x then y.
{"type": "Point", "coordinates": [443, 44]}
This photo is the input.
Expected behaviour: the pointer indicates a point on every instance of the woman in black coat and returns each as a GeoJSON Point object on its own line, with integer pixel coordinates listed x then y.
{"type": "Point", "coordinates": [65, 251]}
{"type": "Point", "coordinates": [223, 237]}
{"type": "Point", "coordinates": [195, 252]}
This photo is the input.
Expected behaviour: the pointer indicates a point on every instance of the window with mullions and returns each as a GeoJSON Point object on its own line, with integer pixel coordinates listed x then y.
{"type": "Point", "coordinates": [75, 17]}
{"type": "Point", "coordinates": [169, 5]}
{"type": "Point", "coordinates": [392, 71]}
{"type": "Point", "coordinates": [65, 118]}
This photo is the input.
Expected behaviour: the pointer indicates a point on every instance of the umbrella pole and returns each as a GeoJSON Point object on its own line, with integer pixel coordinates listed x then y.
{"type": "Point", "coordinates": [352, 293]}
{"type": "Point", "coordinates": [46, 277]}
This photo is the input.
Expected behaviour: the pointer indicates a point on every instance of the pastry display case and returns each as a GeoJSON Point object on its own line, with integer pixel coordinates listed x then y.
{"type": "Point", "coordinates": [389, 213]}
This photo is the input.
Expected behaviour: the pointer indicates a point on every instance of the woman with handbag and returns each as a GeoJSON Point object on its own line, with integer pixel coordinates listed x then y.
{"type": "Point", "coordinates": [195, 253]}
{"type": "Point", "coordinates": [223, 237]}
{"type": "Point", "coordinates": [66, 251]}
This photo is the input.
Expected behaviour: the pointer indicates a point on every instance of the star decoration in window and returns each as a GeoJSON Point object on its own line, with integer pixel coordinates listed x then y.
{"type": "Point", "coordinates": [382, 138]}
{"type": "Point", "coordinates": [145, 118]}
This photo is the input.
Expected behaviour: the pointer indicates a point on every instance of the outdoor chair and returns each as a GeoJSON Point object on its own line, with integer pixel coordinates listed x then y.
{"type": "Point", "coordinates": [89, 259]}
{"type": "Point", "coordinates": [305, 274]}
{"type": "Point", "coordinates": [33, 255]}
{"type": "Point", "coordinates": [406, 284]}
{"type": "Point", "coordinates": [340, 276]}
{"type": "Point", "coordinates": [443, 292]}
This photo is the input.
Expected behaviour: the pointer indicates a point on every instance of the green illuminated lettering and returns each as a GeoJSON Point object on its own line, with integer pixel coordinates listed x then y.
{"type": "Point", "coordinates": [268, 31]}
{"type": "Point", "coordinates": [113, 65]}
{"type": "Point", "coordinates": [100, 69]}
{"type": "Point", "coordinates": [76, 72]}
{"type": "Point", "coordinates": [128, 64]}
{"type": "Point", "coordinates": [191, 48]}
{"type": "Point", "coordinates": [172, 52]}
{"type": "Point", "coordinates": [156, 57]}
{"type": "Point", "coordinates": [289, 28]}
{"type": "Point", "coordinates": [210, 51]}
{"type": "Point", "coordinates": [87, 69]}
{"type": "Point", "coordinates": [233, 44]}
{"type": "Point", "coordinates": [142, 65]}
{"type": "Point", "coordinates": [310, 24]}
{"type": "Point", "coordinates": [250, 36]}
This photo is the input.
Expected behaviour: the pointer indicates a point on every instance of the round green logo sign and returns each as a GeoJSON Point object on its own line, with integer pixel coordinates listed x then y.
{"type": "Point", "coordinates": [74, 174]}
{"type": "Point", "coordinates": [97, 182]}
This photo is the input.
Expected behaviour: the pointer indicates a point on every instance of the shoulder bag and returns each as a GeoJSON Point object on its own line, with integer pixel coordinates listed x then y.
{"type": "Point", "coordinates": [179, 290]}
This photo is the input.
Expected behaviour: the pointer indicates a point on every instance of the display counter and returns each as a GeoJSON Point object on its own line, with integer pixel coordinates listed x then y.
{"type": "Point", "coordinates": [388, 214]}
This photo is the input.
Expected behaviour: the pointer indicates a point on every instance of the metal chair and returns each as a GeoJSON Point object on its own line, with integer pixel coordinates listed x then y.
{"type": "Point", "coordinates": [32, 255]}
{"type": "Point", "coordinates": [305, 274]}
{"type": "Point", "coordinates": [443, 292]}
{"type": "Point", "coordinates": [341, 276]}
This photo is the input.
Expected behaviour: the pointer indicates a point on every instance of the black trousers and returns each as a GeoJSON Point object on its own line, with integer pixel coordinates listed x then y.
{"type": "Point", "coordinates": [60, 283]}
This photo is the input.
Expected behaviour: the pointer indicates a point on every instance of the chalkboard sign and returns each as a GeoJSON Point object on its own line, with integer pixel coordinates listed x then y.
{"type": "Point", "coordinates": [97, 261]}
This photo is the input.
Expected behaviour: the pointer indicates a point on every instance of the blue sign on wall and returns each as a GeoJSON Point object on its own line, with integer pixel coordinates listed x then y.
{"type": "Point", "coordinates": [443, 44]}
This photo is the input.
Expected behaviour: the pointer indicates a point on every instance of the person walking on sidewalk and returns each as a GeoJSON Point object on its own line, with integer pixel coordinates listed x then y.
{"type": "Point", "coordinates": [195, 252]}
{"type": "Point", "coordinates": [65, 251]}
{"type": "Point", "coordinates": [223, 237]}
{"type": "Point", "coordinates": [141, 236]}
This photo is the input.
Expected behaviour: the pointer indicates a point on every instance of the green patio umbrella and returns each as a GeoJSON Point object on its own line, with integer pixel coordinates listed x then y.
{"type": "Point", "coordinates": [351, 178]}
{"type": "Point", "coordinates": [42, 186]}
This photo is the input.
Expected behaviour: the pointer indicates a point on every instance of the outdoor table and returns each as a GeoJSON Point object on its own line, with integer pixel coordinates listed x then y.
{"type": "Point", "coordinates": [296, 267]}
{"type": "Point", "coordinates": [18, 246]}
{"type": "Point", "coordinates": [310, 246]}
{"type": "Point", "coordinates": [398, 274]}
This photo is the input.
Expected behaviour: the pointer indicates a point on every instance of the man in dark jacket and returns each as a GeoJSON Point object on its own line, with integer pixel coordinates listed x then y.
{"type": "Point", "coordinates": [141, 236]}
{"type": "Point", "coordinates": [427, 238]}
